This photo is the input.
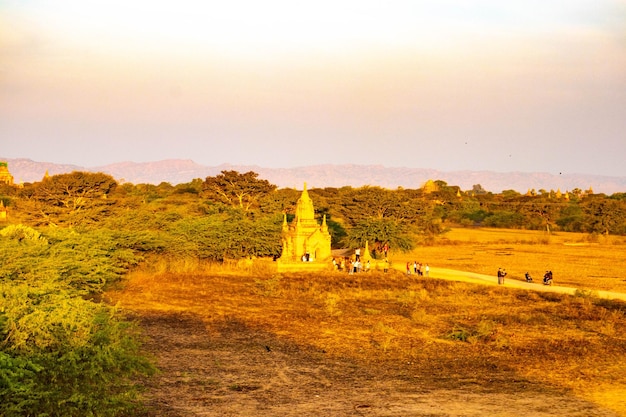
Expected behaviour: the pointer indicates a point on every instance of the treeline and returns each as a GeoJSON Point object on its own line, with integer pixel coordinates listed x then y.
{"type": "Point", "coordinates": [234, 215]}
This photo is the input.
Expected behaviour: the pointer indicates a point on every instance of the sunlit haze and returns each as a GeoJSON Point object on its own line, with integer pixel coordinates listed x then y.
{"type": "Point", "coordinates": [449, 85]}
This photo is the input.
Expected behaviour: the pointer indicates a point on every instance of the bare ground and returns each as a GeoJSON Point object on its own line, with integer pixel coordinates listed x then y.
{"type": "Point", "coordinates": [224, 368]}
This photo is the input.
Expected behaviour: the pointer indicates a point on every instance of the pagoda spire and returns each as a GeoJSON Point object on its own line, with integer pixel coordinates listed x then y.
{"type": "Point", "coordinates": [324, 225]}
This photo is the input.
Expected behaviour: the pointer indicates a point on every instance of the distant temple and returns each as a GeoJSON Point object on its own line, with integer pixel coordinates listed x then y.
{"type": "Point", "coordinates": [430, 187]}
{"type": "Point", "coordinates": [5, 175]}
{"type": "Point", "coordinates": [306, 244]}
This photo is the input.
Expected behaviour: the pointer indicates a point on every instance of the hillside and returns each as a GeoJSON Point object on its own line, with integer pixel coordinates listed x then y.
{"type": "Point", "coordinates": [176, 171]}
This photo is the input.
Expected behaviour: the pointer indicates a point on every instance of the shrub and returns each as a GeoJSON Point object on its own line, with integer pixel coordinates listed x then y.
{"type": "Point", "coordinates": [60, 353]}
{"type": "Point", "coordinates": [65, 356]}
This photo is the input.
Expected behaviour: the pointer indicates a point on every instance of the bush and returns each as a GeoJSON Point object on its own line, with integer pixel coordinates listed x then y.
{"type": "Point", "coordinates": [65, 356]}
{"type": "Point", "coordinates": [60, 353]}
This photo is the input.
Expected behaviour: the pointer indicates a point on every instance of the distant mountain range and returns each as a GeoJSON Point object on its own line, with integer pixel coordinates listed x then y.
{"type": "Point", "coordinates": [176, 171]}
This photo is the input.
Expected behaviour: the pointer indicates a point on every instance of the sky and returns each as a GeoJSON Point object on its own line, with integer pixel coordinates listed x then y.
{"type": "Point", "coordinates": [505, 86]}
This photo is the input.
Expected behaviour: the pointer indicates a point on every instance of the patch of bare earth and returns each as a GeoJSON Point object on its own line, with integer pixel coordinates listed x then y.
{"type": "Point", "coordinates": [226, 368]}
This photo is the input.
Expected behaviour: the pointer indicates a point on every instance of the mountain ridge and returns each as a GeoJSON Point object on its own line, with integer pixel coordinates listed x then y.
{"type": "Point", "coordinates": [176, 171]}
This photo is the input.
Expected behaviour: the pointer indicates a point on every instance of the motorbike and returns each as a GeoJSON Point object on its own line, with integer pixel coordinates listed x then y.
{"type": "Point", "coordinates": [547, 278]}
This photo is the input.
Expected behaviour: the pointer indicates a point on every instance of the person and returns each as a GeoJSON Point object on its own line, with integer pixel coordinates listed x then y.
{"type": "Point", "coordinates": [415, 270]}
{"type": "Point", "coordinates": [408, 268]}
{"type": "Point", "coordinates": [385, 249]}
{"type": "Point", "coordinates": [357, 254]}
{"type": "Point", "coordinates": [427, 269]}
{"type": "Point", "coordinates": [528, 277]}
{"type": "Point", "coordinates": [501, 275]}
{"type": "Point", "coordinates": [547, 278]}
{"type": "Point", "coordinates": [367, 266]}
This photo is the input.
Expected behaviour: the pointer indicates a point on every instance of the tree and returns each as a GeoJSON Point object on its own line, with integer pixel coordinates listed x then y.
{"type": "Point", "coordinates": [73, 191]}
{"type": "Point", "coordinates": [237, 190]}
{"type": "Point", "coordinates": [75, 198]}
{"type": "Point", "coordinates": [478, 189]}
{"type": "Point", "coordinates": [378, 232]}
{"type": "Point", "coordinates": [604, 215]}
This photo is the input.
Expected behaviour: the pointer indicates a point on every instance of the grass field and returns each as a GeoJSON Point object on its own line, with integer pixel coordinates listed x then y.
{"type": "Point", "coordinates": [574, 260]}
{"type": "Point", "coordinates": [252, 342]}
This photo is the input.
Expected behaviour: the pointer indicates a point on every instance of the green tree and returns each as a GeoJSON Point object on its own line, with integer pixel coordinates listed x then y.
{"type": "Point", "coordinates": [237, 190]}
{"type": "Point", "coordinates": [603, 215]}
{"type": "Point", "coordinates": [378, 232]}
{"type": "Point", "coordinates": [69, 199]}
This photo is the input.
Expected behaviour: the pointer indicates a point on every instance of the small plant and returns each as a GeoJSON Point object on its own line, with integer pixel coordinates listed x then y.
{"type": "Point", "coordinates": [585, 294]}
{"type": "Point", "coordinates": [419, 315]}
{"type": "Point", "coordinates": [332, 304]}
{"type": "Point", "coordinates": [383, 336]}
{"type": "Point", "coordinates": [459, 333]}
{"type": "Point", "coordinates": [406, 298]}
{"type": "Point", "coordinates": [269, 287]}
{"type": "Point", "coordinates": [485, 331]}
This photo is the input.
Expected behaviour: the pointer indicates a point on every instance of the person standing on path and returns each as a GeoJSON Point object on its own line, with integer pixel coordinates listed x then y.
{"type": "Point", "coordinates": [501, 275]}
{"type": "Point", "coordinates": [426, 270]}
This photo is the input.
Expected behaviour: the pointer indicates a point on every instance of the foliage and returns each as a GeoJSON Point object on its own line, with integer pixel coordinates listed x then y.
{"type": "Point", "coordinates": [61, 353]}
{"type": "Point", "coordinates": [604, 215]}
{"type": "Point", "coordinates": [237, 190]}
{"type": "Point", "coordinates": [68, 199]}
{"type": "Point", "coordinates": [221, 237]}
{"type": "Point", "coordinates": [85, 262]}
{"type": "Point", "coordinates": [379, 232]}
{"type": "Point", "coordinates": [19, 232]}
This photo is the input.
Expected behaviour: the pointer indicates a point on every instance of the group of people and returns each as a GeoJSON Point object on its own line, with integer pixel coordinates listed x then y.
{"type": "Point", "coordinates": [419, 269]}
{"type": "Point", "coordinates": [352, 266]}
{"type": "Point", "coordinates": [547, 277]}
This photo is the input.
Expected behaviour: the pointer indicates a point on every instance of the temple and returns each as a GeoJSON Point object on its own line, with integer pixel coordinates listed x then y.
{"type": "Point", "coordinates": [306, 244]}
{"type": "Point", "coordinates": [5, 175]}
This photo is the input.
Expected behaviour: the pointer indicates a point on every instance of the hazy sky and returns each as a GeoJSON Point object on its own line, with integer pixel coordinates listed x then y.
{"type": "Point", "coordinates": [532, 85]}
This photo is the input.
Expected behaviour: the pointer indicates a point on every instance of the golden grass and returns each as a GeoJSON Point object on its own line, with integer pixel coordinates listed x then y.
{"type": "Point", "coordinates": [442, 333]}
{"type": "Point", "coordinates": [446, 334]}
{"type": "Point", "coordinates": [575, 262]}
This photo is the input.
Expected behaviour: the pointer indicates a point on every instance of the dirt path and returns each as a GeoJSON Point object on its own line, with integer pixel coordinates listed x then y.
{"type": "Point", "coordinates": [537, 285]}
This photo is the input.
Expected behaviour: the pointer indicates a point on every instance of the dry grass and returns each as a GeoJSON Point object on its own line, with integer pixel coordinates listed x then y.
{"type": "Point", "coordinates": [575, 261]}
{"type": "Point", "coordinates": [442, 334]}
{"type": "Point", "coordinates": [446, 334]}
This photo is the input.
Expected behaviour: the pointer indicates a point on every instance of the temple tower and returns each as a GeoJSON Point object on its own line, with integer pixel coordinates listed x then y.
{"type": "Point", "coordinates": [305, 242]}
{"type": "Point", "coordinates": [5, 175]}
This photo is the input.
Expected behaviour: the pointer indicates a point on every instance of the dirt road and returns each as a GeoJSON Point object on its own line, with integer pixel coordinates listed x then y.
{"type": "Point", "coordinates": [537, 285]}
